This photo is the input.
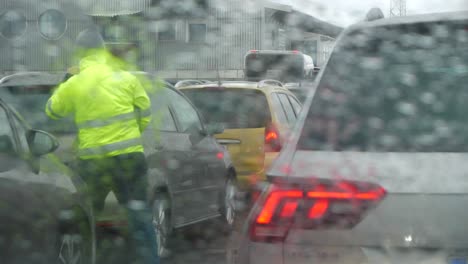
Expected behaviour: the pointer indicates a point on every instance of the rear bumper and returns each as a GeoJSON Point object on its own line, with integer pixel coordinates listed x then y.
{"type": "Point", "coordinates": [278, 253]}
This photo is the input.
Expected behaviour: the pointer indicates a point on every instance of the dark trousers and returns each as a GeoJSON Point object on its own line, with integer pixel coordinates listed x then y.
{"type": "Point", "coordinates": [126, 176]}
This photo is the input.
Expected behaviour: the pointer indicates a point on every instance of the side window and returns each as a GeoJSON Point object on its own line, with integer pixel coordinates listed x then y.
{"type": "Point", "coordinates": [278, 109]}
{"type": "Point", "coordinates": [162, 117]}
{"type": "Point", "coordinates": [186, 114]}
{"type": "Point", "coordinates": [287, 108]}
{"type": "Point", "coordinates": [295, 104]}
{"type": "Point", "coordinates": [167, 122]}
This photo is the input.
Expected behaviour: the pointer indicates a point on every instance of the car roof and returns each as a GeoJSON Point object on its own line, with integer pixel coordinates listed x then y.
{"type": "Point", "coordinates": [236, 85]}
{"type": "Point", "coordinates": [47, 78]}
{"type": "Point", "coordinates": [152, 75]}
{"type": "Point", "coordinates": [32, 78]}
{"type": "Point", "coordinates": [294, 52]}
{"type": "Point", "coordinates": [425, 18]}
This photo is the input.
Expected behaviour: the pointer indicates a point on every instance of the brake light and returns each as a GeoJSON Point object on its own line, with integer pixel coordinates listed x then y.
{"type": "Point", "coordinates": [373, 195]}
{"type": "Point", "coordinates": [318, 209]}
{"type": "Point", "coordinates": [272, 139]}
{"type": "Point", "coordinates": [220, 155]}
{"type": "Point", "coordinates": [272, 203]}
{"type": "Point", "coordinates": [295, 51]}
{"type": "Point", "coordinates": [289, 209]}
{"type": "Point", "coordinates": [253, 51]}
{"type": "Point", "coordinates": [328, 205]}
{"type": "Point", "coordinates": [271, 135]}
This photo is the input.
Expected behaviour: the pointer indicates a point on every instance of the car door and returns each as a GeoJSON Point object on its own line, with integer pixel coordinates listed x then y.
{"type": "Point", "coordinates": [29, 201]}
{"type": "Point", "coordinates": [203, 165]}
{"type": "Point", "coordinates": [169, 155]}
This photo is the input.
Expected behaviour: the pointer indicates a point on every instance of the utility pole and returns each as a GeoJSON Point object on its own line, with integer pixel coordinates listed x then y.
{"type": "Point", "coordinates": [397, 8]}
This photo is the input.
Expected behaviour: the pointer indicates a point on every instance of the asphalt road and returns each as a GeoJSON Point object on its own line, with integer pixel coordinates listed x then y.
{"type": "Point", "coordinates": [206, 242]}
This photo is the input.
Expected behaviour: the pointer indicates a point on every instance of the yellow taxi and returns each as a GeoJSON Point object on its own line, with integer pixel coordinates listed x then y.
{"type": "Point", "coordinates": [257, 118]}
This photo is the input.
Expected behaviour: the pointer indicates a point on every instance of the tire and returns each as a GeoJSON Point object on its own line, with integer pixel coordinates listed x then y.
{"type": "Point", "coordinates": [228, 203]}
{"type": "Point", "coordinates": [76, 243]}
{"type": "Point", "coordinates": [161, 211]}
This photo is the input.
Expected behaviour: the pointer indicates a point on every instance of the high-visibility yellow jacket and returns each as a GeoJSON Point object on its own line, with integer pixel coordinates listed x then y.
{"type": "Point", "coordinates": [110, 107]}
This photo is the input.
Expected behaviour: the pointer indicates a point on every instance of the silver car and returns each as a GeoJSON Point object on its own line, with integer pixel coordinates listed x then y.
{"type": "Point", "coordinates": [376, 170]}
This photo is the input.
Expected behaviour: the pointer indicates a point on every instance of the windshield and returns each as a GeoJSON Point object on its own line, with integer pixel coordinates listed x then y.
{"type": "Point", "coordinates": [233, 131]}
{"type": "Point", "coordinates": [405, 94]}
{"type": "Point", "coordinates": [234, 108]}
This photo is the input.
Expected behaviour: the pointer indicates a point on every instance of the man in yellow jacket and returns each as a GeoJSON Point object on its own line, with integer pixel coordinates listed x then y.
{"type": "Point", "coordinates": [111, 109]}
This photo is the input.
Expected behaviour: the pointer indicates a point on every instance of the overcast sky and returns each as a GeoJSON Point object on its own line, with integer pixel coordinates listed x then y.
{"type": "Point", "coordinates": [346, 12]}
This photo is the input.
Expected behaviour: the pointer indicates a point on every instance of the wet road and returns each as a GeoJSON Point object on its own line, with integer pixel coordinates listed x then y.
{"type": "Point", "coordinates": [205, 242]}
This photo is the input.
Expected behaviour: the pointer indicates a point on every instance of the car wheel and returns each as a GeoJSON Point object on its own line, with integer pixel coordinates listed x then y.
{"type": "Point", "coordinates": [228, 206]}
{"type": "Point", "coordinates": [76, 240]}
{"type": "Point", "coordinates": [162, 224]}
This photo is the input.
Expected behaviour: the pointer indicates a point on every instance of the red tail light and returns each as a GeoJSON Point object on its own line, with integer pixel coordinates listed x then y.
{"type": "Point", "coordinates": [272, 203]}
{"type": "Point", "coordinates": [323, 206]}
{"type": "Point", "coordinates": [272, 139]}
{"type": "Point", "coordinates": [319, 209]}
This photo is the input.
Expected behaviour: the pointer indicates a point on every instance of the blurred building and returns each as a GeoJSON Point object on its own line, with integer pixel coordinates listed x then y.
{"type": "Point", "coordinates": [176, 39]}
{"type": "Point", "coordinates": [38, 35]}
{"type": "Point", "coordinates": [196, 38]}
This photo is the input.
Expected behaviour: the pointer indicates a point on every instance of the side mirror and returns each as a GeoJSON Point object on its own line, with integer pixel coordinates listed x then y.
{"type": "Point", "coordinates": [41, 142]}
{"type": "Point", "coordinates": [214, 128]}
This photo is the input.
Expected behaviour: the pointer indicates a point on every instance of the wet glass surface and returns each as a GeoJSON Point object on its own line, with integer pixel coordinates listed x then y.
{"type": "Point", "coordinates": [242, 131]}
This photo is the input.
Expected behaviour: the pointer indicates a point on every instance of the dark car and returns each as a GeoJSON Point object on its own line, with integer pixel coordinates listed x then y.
{"type": "Point", "coordinates": [28, 92]}
{"type": "Point", "coordinates": [191, 176]}
{"type": "Point", "coordinates": [376, 169]}
{"type": "Point", "coordinates": [44, 218]}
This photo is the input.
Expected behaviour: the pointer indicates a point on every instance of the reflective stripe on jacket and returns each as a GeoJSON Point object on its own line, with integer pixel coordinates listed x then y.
{"type": "Point", "coordinates": [110, 107]}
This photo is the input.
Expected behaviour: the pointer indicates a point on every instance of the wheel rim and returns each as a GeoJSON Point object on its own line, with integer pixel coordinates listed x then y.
{"type": "Point", "coordinates": [229, 201]}
{"type": "Point", "coordinates": [160, 223]}
{"type": "Point", "coordinates": [71, 249]}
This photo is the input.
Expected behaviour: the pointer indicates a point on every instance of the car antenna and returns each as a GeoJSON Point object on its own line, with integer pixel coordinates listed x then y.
{"type": "Point", "coordinates": [217, 74]}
